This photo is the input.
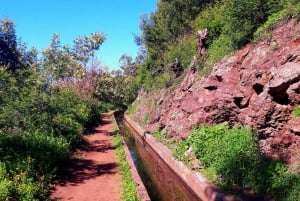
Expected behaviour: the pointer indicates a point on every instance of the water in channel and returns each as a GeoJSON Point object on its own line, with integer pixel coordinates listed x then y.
{"type": "Point", "coordinates": [141, 165]}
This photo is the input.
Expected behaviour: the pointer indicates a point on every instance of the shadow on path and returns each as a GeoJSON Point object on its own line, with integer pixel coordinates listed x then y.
{"type": "Point", "coordinates": [80, 170]}
{"type": "Point", "coordinates": [96, 145]}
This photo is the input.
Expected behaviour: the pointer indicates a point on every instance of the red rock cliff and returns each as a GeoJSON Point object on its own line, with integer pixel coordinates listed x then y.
{"type": "Point", "coordinates": [257, 87]}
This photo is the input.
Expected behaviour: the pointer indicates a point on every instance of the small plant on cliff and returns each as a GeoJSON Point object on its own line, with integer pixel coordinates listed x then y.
{"type": "Point", "coordinates": [131, 109]}
{"type": "Point", "coordinates": [296, 111]}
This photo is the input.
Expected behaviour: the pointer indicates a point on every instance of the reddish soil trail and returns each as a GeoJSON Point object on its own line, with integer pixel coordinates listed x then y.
{"type": "Point", "coordinates": [92, 174]}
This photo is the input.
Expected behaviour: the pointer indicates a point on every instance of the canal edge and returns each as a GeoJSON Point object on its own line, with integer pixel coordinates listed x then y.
{"type": "Point", "coordinates": [197, 183]}
{"type": "Point", "coordinates": [140, 187]}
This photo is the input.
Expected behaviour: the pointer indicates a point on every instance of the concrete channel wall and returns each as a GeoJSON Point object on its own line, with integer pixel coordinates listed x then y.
{"type": "Point", "coordinates": [174, 177]}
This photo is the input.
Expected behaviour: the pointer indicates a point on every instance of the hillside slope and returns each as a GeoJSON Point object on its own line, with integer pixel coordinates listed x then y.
{"type": "Point", "coordinates": [259, 86]}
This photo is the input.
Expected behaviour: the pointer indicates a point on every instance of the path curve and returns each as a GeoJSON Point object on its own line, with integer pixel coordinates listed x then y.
{"type": "Point", "coordinates": [92, 173]}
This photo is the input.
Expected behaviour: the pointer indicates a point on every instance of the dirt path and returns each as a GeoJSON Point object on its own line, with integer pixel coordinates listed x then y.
{"type": "Point", "coordinates": [92, 174]}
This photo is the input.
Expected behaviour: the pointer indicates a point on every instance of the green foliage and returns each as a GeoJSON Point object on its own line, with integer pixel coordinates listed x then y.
{"type": "Point", "coordinates": [243, 17]}
{"type": "Point", "coordinates": [218, 144]}
{"type": "Point", "coordinates": [170, 22]}
{"type": "Point", "coordinates": [129, 186]}
{"type": "Point", "coordinates": [131, 109]}
{"type": "Point", "coordinates": [30, 159]}
{"type": "Point", "coordinates": [296, 111]}
{"type": "Point", "coordinates": [116, 88]}
{"type": "Point", "coordinates": [291, 9]}
{"type": "Point", "coordinates": [39, 123]}
{"type": "Point", "coordinates": [8, 45]}
{"type": "Point", "coordinates": [20, 186]}
{"type": "Point", "coordinates": [183, 51]}
{"type": "Point", "coordinates": [218, 49]}
{"type": "Point", "coordinates": [211, 18]}
{"type": "Point", "coordinates": [163, 80]}
{"type": "Point", "coordinates": [37, 130]}
{"type": "Point", "coordinates": [170, 32]}
{"type": "Point", "coordinates": [144, 78]}
{"type": "Point", "coordinates": [283, 185]}
{"type": "Point", "coordinates": [60, 61]}
{"type": "Point", "coordinates": [233, 155]}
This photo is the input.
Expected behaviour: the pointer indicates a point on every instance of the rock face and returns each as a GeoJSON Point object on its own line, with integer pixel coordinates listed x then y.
{"type": "Point", "coordinates": [257, 87]}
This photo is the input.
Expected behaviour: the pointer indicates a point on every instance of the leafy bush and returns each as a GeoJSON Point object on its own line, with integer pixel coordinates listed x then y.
{"type": "Point", "coordinates": [283, 185]}
{"type": "Point", "coordinates": [227, 150]}
{"type": "Point", "coordinates": [219, 48]}
{"type": "Point", "coordinates": [164, 80]}
{"type": "Point", "coordinates": [212, 19]}
{"type": "Point", "coordinates": [19, 186]}
{"type": "Point", "coordinates": [233, 154]}
{"type": "Point", "coordinates": [65, 125]}
{"type": "Point", "coordinates": [37, 130]}
{"type": "Point", "coordinates": [184, 50]}
{"type": "Point", "coordinates": [31, 158]}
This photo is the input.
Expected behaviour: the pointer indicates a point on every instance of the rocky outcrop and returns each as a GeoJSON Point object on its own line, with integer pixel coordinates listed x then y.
{"type": "Point", "coordinates": [257, 87]}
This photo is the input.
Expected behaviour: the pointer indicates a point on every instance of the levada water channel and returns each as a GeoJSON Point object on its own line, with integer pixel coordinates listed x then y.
{"type": "Point", "coordinates": [141, 165]}
{"type": "Point", "coordinates": [165, 178]}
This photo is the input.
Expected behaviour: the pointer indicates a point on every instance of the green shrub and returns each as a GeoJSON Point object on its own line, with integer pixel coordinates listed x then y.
{"type": "Point", "coordinates": [224, 148]}
{"type": "Point", "coordinates": [217, 50]}
{"type": "Point", "coordinates": [27, 164]}
{"type": "Point", "coordinates": [164, 80]}
{"type": "Point", "coordinates": [184, 50]}
{"type": "Point", "coordinates": [212, 19]}
{"type": "Point", "coordinates": [37, 131]}
{"type": "Point", "coordinates": [281, 183]}
{"type": "Point", "coordinates": [95, 111]}
{"type": "Point", "coordinates": [65, 125]}
{"type": "Point", "coordinates": [131, 109]}
{"type": "Point", "coordinates": [234, 156]}
{"type": "Point", "coordinates": [242, 18]}
{"type": "Point", "coordinates": [4, 182]}
{"type": "Point", "coordinates": [46, 151]}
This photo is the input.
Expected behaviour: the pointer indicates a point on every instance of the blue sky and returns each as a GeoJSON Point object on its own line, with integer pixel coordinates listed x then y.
{"type": "Point", "coordinates": [37, 20]}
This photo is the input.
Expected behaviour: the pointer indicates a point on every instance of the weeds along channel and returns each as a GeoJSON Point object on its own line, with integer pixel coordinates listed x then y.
{"type": "Point", "coordinates": [142, 168]}
{"type": "Point", "coordinates": [230, 157]}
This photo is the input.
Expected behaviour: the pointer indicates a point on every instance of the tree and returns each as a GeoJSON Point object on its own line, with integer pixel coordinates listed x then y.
{"type": "Point", "coordinates": [128, 66]}
{"type": "Point", "coordinates": [8, 45]}
{"type": "Point", "coordinates": [142, 52]}
{"type": "Point", "coordinates": [116, 88]}
{"type": "Point", "coordinates": [166, 26]}
{"type": "Point", "coordinates": [85, 47]}
{"type": "Point", "coordinates": [60, 62]}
